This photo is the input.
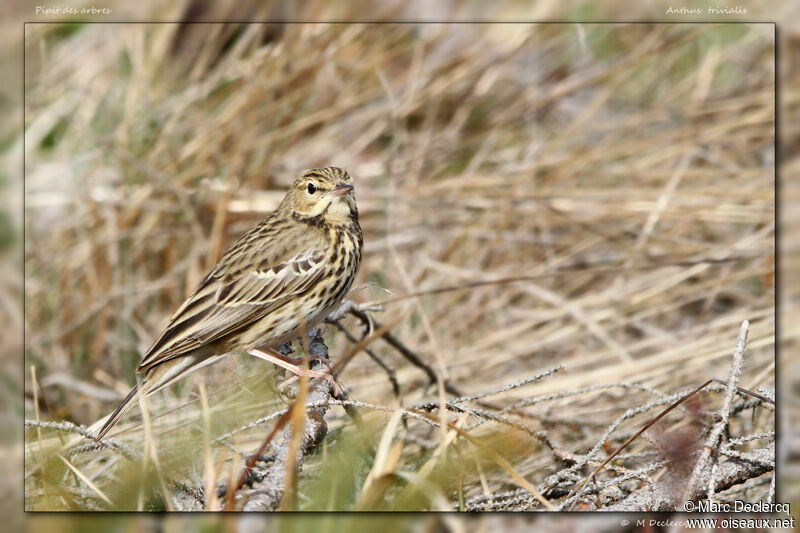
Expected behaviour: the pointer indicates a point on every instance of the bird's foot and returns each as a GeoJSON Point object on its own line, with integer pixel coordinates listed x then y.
{"type": "Point", "coordinates": [325, 374]}
{"type": "Point", "coordinates": [289, 364]}
{"type": "Point", "coordinates": [292, 364]}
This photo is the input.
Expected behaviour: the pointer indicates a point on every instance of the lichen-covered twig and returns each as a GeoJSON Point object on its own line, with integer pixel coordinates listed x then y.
{"type": "Point", "coordinates": [726, 475]}
{"type": "Point", "coordinates": [267, 491]}
{"type": "Point", "coordinates": [69, 427]}
{"type": "Point", "coordinates": [723, 415]}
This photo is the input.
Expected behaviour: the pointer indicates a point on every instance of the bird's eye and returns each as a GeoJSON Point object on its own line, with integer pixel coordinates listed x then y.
{"type": "Point", "coordinates": [311, 188]}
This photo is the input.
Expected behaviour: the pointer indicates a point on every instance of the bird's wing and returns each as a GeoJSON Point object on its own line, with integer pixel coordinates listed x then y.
{"type": "Point", "coordinates": [238, 292]}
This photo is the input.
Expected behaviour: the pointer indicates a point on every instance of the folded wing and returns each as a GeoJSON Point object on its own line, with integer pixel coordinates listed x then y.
{"type": "Point", "coordinates": [232, 298]}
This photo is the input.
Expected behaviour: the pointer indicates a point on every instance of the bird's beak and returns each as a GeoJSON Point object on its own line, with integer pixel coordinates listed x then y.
{"type": "Point", "coordinates": [341, 189]}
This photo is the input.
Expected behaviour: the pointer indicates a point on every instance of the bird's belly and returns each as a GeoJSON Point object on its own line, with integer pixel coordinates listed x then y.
{"type": "Point", "coordinates": [285, 324]}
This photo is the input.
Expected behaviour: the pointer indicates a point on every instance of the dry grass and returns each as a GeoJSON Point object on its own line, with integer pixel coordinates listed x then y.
{"type": "Point", "coordinates": [627, 171]}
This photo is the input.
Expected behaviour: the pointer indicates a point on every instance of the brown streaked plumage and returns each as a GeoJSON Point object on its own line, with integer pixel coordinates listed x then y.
{"type": "Point", "coordinates": [288, 272]}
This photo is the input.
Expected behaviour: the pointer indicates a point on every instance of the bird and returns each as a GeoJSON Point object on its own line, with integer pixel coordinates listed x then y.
{"type": "Point", "coordinates": [280, 278]}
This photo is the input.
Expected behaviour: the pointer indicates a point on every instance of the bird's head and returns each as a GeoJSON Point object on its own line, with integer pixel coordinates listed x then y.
{"type": "Point", "coordinates": [323, 194]}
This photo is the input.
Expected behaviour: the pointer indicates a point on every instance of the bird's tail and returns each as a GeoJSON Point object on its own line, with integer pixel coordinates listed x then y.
{"type": "Point", "coordinates": [126, 404]}
{"type": "Point", "coordinates": [153, 381]}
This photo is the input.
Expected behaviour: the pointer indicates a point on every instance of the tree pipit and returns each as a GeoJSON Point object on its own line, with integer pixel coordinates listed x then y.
{"type": "Point", "coordinates": [283, 276]}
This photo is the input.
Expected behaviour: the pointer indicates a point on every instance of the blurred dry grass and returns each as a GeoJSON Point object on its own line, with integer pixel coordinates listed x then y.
{"type": "Point", "coordinates": [592, 156]}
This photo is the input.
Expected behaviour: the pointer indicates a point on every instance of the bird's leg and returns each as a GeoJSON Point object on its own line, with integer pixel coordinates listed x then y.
{"type": "Point", "coordinates": [336, 391]}
{"type": "Point", "coordinates": [289, 363]}
{"type": "Point", "coordinates": [294, 361]}
{"type": "Point", "coordinates": [268, 354]}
